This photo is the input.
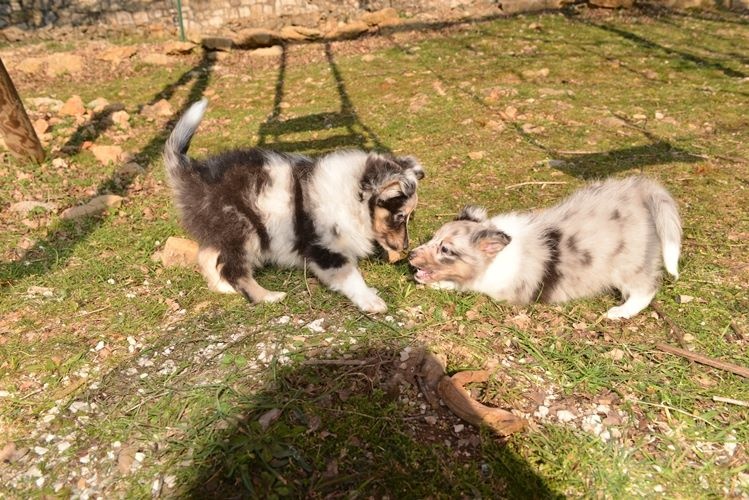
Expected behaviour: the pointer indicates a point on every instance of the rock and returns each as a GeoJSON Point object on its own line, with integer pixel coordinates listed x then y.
{"type": "Point", "coordinates": [531, 74]}
{"type": "Point", "coordinates": [58, 64]}
{"type": "Point", "coordinates": [179, 252]}
{"type": "Point", "coordinates": [125, 459]}
{"type": "Point", "coordinates": [24, 207]}
{"type": "Point", "coordinates": [612, 122]}
{"type": "Point", "coordinates": [565, 416]}
{"type": "Point", "coordinates": [371, 57]}
{"type": "Point", "coordinates": [93, 207]}
{"type": "Point", "coordinates": [45, 104]}
{"type": "Point", "coordinates": [349, 31]}
{"type": "Point", "coordinates": [556, 163]}
{"type": "Point", "coordinates": [178, 48]}
{"type": "Point", "coordinates": [659, 115]}
{"type": "Point", "coordinates": [510, 113]}
{"type": "Point", "coordinates": [7, 453]}
{"type": "Point", "coordinates": [476, 155]}
{"type": "Point", "coordinates": [98, 104]}
{"type": "Point", "coordinates": [117, 54]}
{"type": "Point", "coordinates": [160, 108]}
{"type": "Point", "coordinates": [217, 43]}
{"type": "Point", "coordinates": [274, 51]}
{"type": "Point", "coordinates": [268, 418]}
{"type": "Point", "coordinates": [382, 17]}
{"type": "Point", "coordinates": [615, 354]}
{"type": "Point", "coordinates": [252, 38]}
{"type": "Point", "coordinates": [40, 126]}
{"type": "Point", "coordinates": [684, 299]}
{"type": "Point", "coordinates": [30, 65]}
{"type": "Point", "coordinates": [612, 4]}
{"type": "Point", "coordinates": [73, 107]}
{"type": "Point", "coordinates": [130, 169]}
{"type": "Point", "coordinates": [121, 119]}
{"type": "Point", "coordinates": [107, 154]}
{"type": "Point", "coordinates": [157, 59]}
{"type": "Point", "coordinates": [299, 33]}
{"type": "Point", "coordinates": [12, 34]}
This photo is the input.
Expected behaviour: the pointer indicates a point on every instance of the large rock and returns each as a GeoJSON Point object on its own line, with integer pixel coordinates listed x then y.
{"type": "Point", "coordinates": [95, 206]}
{"type": "Point", "coordinates": [117, 54]}
{"type": "Point", "coordinates": [121, 119]}
{"type": "Point", "coordinates": [157, 59]}
{"type": "Point", "coordinates": [253, 38]}
{"type": "Point", "coordinates": [274, 51]}
{"type": "Point", "coordinates": [59, 64]}
{"type": "Point", "coordinates": [177, 48]}
{"type": "Point", "coordinates": [179, 252]}
{"type": "Point", "coordinates": [158, 109]}
{"type": "Point", "coordinates": [12, 34]}
{"type": "Point", "coordinates": [349, 31]}
{"type": "Point", "coordinates": [107, 154]}
{"type": "Point", "coordinates": [24, 207]}
{"type": "Point", "coordinates": [45, 104]}
{"type": "Point", "coordinates": [217, 43]}
{"type": "Point", "coordinates": [73, 107]}
{"type": "Point", "coordinates": [299, 33]}
{"type": "Point", "coordinates": [30, 65]}
{"type": "Point", "coordinates": [382, 17]}
{"type": "Point", "coordinates": [98, 104]}
{"type": "Point", "coordinates": [612, 4]}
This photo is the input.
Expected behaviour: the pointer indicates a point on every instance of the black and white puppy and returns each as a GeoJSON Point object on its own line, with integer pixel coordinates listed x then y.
{"type": "Point", "coordinates": [614, 234]}
{"type": "Point", "coordinates": [252, 207]}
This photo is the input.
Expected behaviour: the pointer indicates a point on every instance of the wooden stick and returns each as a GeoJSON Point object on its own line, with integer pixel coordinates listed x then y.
{"type": "Point", "coordinates": [338, 362]}
{"type": "Point", "coordinates": [705, 360]}
{"type": "Point", "coordinates": [534, 183]}
{"type": "Point", "coordinates": [737, 402]}
{"type": "Point", "coordinates": [674, 327]}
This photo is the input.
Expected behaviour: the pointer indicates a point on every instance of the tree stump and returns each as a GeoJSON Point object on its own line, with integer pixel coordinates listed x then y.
{"type": "Point", "coordinates": [19, 134]}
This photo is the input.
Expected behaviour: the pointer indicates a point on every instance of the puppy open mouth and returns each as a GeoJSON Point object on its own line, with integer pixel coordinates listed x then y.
{"type": "Point", "coordinates": [423, 275]}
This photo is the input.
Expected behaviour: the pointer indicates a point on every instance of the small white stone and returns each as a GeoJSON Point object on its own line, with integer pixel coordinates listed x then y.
{"type": "Point", "coordinates": [99, 346]}
{"type": "Point", "coordinates": [316, 326]}
{"type": "Point", "coordinates": [458, 427]}
{"type": "Point", "coordinates": [170, 481]}
{"type": "Point", "coordinates": [430, 419]}
{"type": "Point", "coordinates": [40, 450]}
{"type": "Point", "coordinates": [110, 281]}
{"type": "Point", "coordinates": [565, 416]}
{"type": "Point", "coordinates": [542, 412]}
{"type": "Point", "coordinates": [84, 459]}
{"type": "Point", "coordinates": [116, 445]}
{"type": "Point", "coordinates": [62, 446]}
{"type": "Point", "coordinates": [659, 488]}
{"type": "Point", "coordinates": [140, 456]}
{"type": "Point", "coordinates": [4, 394]}
{"type": "Point", "coordinates": [281, 321]}
{"type": "Point", "coordinates": [40, 482]}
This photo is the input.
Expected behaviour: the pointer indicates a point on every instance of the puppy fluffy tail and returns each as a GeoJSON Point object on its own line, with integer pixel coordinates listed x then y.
{"type": "Point", "coordinates": [175, 150]}
{"type": "Point", "coordinates": [668, 226]}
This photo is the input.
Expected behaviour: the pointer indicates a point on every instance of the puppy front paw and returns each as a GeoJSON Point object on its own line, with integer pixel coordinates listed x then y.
{"type": "Point", "coordinates": [271, 297]}
{"type": "Point", "coordinates": [371, 303]}
{"type": "Point", "coordinates": [618, 312]}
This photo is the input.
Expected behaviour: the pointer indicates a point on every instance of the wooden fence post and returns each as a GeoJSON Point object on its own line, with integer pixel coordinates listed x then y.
{"type": "Point", "coordinates": [19, 134]}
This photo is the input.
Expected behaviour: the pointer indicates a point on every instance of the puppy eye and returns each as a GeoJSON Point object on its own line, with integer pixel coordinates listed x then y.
{"type": "Point", "coordinates": [399, 218]}
{"type": "Point", "coordinates": [446, 251]}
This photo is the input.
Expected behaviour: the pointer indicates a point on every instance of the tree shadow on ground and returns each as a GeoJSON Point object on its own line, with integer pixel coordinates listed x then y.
{"type": "Point", "coordinates": [348, 427]}
{"type": "Point", "coordinates": [645, 43]}
{"type": "Point", "coordinates": [57, 247]}
{"type": "Point", "coordinates": [356, 134]}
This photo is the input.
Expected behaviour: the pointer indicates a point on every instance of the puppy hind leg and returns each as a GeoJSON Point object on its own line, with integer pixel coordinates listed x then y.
{"type": "Point", "coordinates": [349, 281]}
{"type": "Point", "coordinates": [636, 301]}
{"type": "Point", "coordinates": [209, 268]}
{"type": "Point", "coordinates": [236, 271]}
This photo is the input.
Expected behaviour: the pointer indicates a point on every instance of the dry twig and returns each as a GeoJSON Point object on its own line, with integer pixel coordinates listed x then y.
{"type": "Point", "coordinates": [732, 401]}
{"type": "Point", "coordinates": [705, 360]}
{"type": "Point", "coordinates": [534, 183]}
{"type": "Point", "coordinates": [674, 327]}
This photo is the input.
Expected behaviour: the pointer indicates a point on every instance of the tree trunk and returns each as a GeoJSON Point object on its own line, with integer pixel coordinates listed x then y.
{"type": "Point", "coordinates": [19, 134]}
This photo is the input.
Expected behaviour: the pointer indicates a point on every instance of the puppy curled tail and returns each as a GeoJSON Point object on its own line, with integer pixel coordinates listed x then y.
{"type": "Point", "coordinates": [175, 150]}
{"type": "Point", "coordinates": [667, 224]}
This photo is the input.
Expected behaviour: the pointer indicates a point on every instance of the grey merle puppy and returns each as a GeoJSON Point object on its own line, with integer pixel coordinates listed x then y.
{"type": "Point", "coordinates": [252, 207]}
{"type": "Point", "coordinates": [609, 235]}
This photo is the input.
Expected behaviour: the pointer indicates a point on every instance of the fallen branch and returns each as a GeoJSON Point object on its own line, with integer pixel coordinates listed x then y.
{"type": "Point", "coordinates": [337, 362]}
{"type": "Point", "coordinates": [736, 332]}
{"type": "Point", "coordinates": [457, 399]}
{"type": "Point", "coordinates": [534, 183]}
{"type": "Point", "coordinates": [705, 360]}
{"type": "Point", "coordinates": [674, 327]}
{"type": "Point", "coordinates": [737, 402]}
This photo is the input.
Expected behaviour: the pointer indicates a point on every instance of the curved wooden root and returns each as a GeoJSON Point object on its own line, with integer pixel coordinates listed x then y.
{"type": "Point", "coordinates": [456, 397]}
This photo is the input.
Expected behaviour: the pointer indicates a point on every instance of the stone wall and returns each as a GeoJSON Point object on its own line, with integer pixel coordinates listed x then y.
{"type": "Point", "coordinates": [202, 15]}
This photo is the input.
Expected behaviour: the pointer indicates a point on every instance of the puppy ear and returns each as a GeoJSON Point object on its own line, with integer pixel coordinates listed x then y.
{"type": "Point", "coordinates": [411, 166]}
{"type": "Point", "coordinates": [472, 213]}
{"type": "Point", "coordinates": [490, 241]}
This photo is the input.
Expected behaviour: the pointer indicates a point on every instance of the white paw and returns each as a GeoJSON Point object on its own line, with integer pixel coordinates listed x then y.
{"type": "Point", "coordinates": [442, 285]}
{"type": "Point", "coordinates": [618, 312]}
{"type": "Point", "coordinates": [271, 297]}
{"type": "Point", "coordinates": [371, 303]}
